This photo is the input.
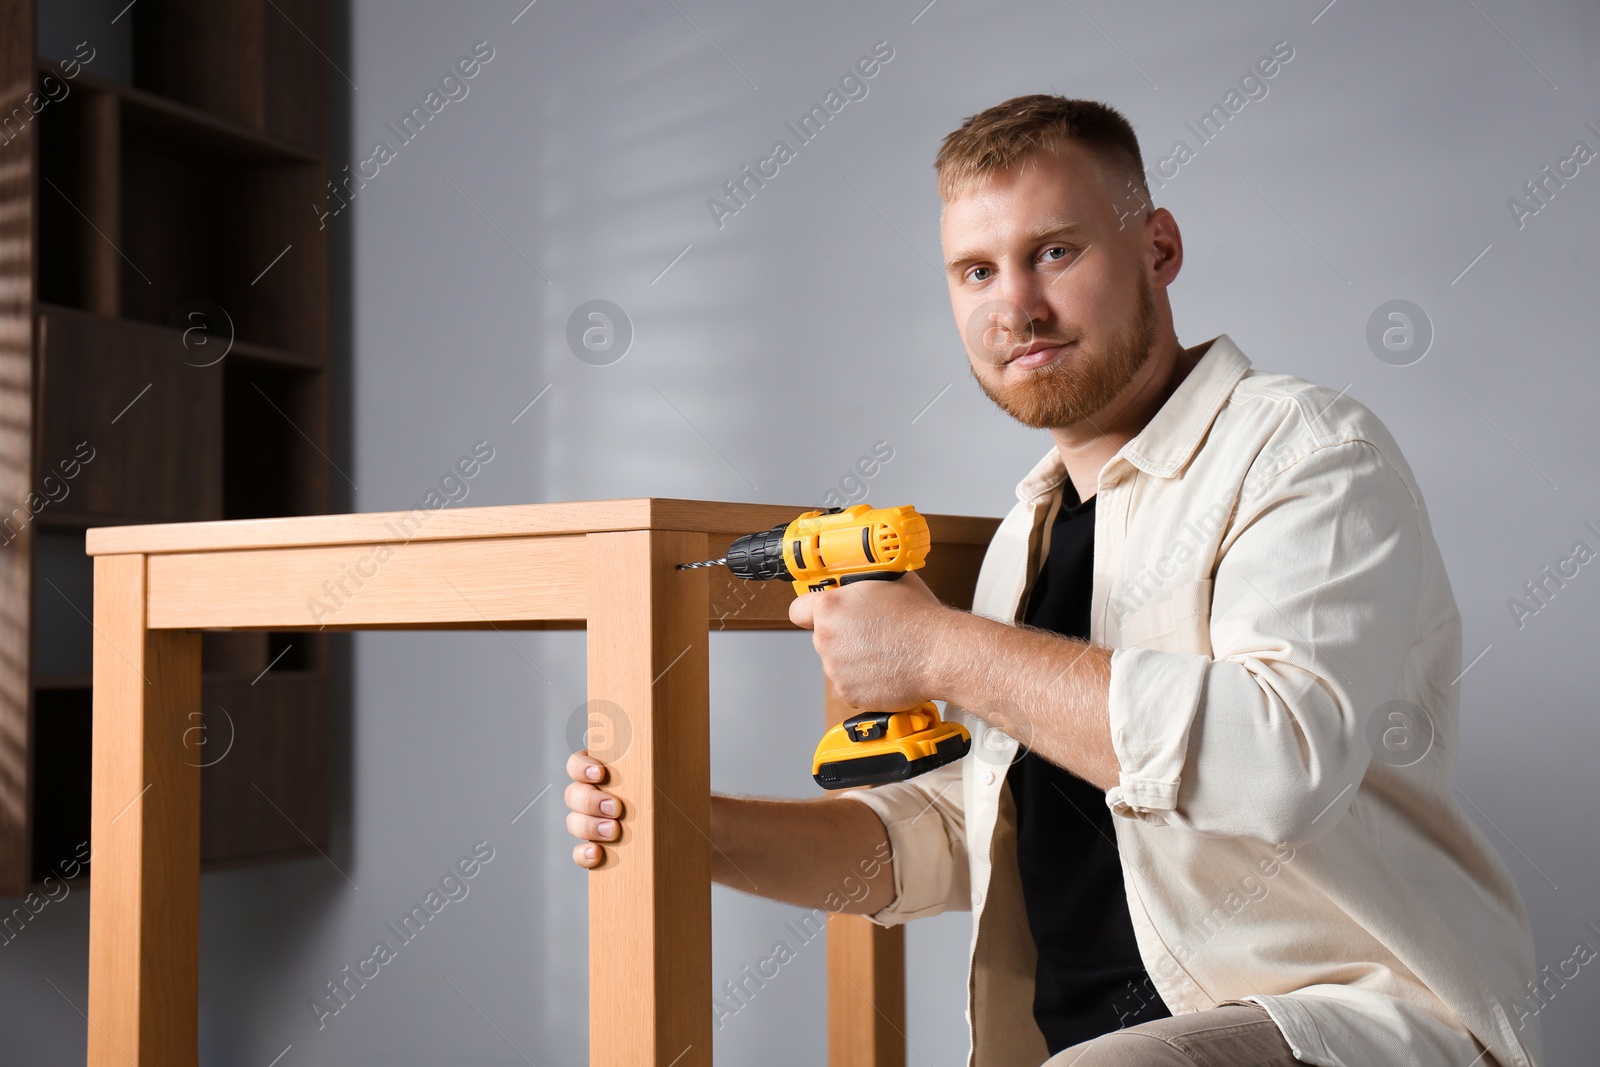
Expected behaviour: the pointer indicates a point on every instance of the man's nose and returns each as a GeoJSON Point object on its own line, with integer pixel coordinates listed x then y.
{"type": "Point", "coordinates": [1022, 306]}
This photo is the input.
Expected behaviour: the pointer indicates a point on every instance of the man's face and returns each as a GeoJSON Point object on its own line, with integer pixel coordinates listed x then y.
{"type": "Point", "coordinates": [1049, 291]}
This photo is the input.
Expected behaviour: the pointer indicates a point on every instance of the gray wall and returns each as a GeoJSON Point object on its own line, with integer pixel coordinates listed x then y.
{"type": "Point", "coordinates": [780, 346]}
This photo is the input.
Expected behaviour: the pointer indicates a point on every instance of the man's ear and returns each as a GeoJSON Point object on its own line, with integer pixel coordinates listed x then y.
{"type": "Point", "coordinates": [1166, 245]}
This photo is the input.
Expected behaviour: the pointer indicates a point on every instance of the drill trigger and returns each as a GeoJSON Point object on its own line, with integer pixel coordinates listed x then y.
{"type": "Point", "coordinates": [872, 576]}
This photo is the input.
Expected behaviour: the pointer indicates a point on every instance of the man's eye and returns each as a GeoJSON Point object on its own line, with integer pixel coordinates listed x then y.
{"type": "Point", "coordinates": [971, 275]}
{"type": "Point", "coordinates": [1063, 249]}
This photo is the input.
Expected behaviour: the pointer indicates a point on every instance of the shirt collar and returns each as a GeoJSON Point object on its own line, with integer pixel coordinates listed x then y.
{"type": "Point", "coordinates": [1171, 437]}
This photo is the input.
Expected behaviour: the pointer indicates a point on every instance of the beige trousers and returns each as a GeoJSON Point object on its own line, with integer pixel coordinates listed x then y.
{"type": "Point", "coordinates": [1231, 1035]}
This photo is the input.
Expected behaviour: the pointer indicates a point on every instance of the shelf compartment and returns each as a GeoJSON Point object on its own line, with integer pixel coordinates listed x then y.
{"type": "Point", "coordinates": [79, 202]}
{"type": "Point", "coordinates": [61, 745]}
{"type": "Point", "coordinates": [275, 437]}
{"type": "Point", "coordinates": [250, 653]}
{"type": "Point", "coordinates": [265, 757]}
{"type": "Point", "coordinates": [249, 61]}
{"type": "Point", "coordinates": [199, 226]}
{"type": "Point", "coordinates": [149, 423]}
{"type": "Point", "coordinates": [242, 652]}
{"type": "Point", "coordinates": [273, 784]}
{"type": "Point", "coordinates": [63, 602]}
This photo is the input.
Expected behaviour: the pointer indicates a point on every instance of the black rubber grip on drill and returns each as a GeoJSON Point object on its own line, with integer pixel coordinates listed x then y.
{"type": "Point", "coordinates": [873, 576]}
{"type": "Point", "coordinates": [759, 556]}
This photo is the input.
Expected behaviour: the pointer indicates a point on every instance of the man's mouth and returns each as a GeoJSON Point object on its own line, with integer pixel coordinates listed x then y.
{"type": "Point", "coordinates": [1038, 354]}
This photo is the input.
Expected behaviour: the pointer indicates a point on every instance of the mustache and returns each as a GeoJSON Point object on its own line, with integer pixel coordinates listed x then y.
{"type": "Point", "coordinates": [997, 331]}
{"type": "Point", "coordinates": [1035, 342]}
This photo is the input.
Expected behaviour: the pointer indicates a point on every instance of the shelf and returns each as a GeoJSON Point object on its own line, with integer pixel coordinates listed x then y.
{"type": "Point", "coordinates": [278, 357]}
{"type": "Point", "coordinates": [274, 676]}
{"type": "Point", "coordinates": [189, 127]}
{"type": "Point", "coordinates": [255, 353]}
{"type": "Point", "coordinates": [188, 187]}
{"type": "Point", "coordinates": [62, 681]}
{"type": "Point", "coordinates": [61, 520]}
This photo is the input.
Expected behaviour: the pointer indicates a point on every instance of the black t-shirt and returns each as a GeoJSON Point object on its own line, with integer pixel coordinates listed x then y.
{"type": "Point", "coordinates": [1089, 980]}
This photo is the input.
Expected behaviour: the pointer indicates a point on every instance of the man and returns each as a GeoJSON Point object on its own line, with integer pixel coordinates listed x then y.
{"type": "Point", "coordinates": [1208, 818]}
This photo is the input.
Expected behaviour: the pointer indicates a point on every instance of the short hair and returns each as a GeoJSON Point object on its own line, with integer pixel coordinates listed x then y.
{"type": "Point", "coordinates": [1003, 135]}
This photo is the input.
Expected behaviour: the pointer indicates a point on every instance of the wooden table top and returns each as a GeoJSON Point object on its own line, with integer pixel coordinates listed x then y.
{"type": "Point", "coordinates": [500, 520]}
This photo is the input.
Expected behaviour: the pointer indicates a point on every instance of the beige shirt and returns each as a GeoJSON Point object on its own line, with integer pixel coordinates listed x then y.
{"type": "Point", "coordinates": [1283, 705]}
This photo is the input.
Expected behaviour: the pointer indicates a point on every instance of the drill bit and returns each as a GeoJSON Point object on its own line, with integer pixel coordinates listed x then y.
{"type": "Point", "coordinates": [704, 563]}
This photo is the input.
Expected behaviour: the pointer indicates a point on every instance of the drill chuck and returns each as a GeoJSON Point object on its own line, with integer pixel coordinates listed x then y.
{"type": "Point", "coordinates": [759, 556]}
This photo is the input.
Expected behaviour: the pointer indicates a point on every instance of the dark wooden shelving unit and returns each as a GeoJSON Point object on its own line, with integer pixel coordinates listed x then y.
{"type": "Point", "coordinates": [164, 309]}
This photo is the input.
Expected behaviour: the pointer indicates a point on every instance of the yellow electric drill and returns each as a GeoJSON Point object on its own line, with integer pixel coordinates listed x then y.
{"type": "Point", "coordinates": [827, 549]}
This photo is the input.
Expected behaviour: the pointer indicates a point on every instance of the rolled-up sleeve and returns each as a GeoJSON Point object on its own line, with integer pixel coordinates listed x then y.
{"type": "Point", "coordinates": [1313, 603]}
{"type": "Point", "coordinates": [927, 838]}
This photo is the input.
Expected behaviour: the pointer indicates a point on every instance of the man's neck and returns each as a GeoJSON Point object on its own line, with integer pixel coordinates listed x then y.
{"type": "Point", "coordinates": [1087, 446]}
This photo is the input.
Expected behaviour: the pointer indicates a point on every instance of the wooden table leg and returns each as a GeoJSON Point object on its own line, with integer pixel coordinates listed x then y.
{"type": "Point", "coordinates": [866, 993]}
{"type": "Point", "coordinates": [650, 997]}
{"type": "Point", "coordinates": [866, 973]}
{"type": "Point", "coordinates": [144, 900]}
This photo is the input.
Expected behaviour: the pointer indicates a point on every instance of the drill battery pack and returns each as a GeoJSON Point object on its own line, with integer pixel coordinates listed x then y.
{"type": "Point", "coordinates": [874, 747]}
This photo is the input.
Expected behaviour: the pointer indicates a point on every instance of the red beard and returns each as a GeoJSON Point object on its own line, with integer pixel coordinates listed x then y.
{"type": "Point", "coordinates": [1081, 381]}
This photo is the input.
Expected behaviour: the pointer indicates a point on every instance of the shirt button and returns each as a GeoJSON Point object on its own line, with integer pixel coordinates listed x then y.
{"type": "Point", "coordinates": [977, 896]}
{"type": "Point", "coordinates": [988, 778]}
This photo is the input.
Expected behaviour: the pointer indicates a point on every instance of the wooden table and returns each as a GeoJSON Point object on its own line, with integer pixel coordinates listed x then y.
{"type": "Point", "coordinates": [608, 566]}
